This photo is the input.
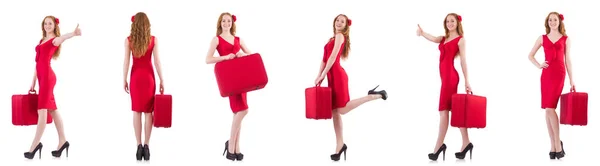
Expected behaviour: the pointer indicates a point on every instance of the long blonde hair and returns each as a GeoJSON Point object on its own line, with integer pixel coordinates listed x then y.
{"type": "Point", "coordinates": [220, 29]}
{"type": "Point", "coordinates": [561, 25]}
{"type": "Point", "coordinates": [459, 28]}
{"type": "Point", "coordinates": [346, 33]}
{"type": "Point", "coordinates": [56, 33]}
{"type": "Point", "coordinates": [140, 34]}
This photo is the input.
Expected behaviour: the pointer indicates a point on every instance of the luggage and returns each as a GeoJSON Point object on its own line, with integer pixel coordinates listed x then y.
{"type": "Point", "coordinates": [24, 110]}
{"type": "Point", "coordinates": [318, 102]}
{"type": "Point", "coordinates": [239, 75]}
{"type": "Point", "coordinates": [163, 110]}
{"type": "Point", "coordinates": [574, 108]}
{"type": "Point", "coordinates": [468, 111]}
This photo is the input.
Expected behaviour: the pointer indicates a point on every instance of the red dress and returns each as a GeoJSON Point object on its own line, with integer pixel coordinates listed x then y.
{"type": "Point", "coordinates": [236, 102]}
{"type": "Point", "coordinates": [337, 79]}
{"type": "Point", "coordinates": [553, 77]}
{"type": "Point", "coordinates": [142, 86]}
{"type": "Point", "coordinates": [45, 74]}
{"type": "Point", "coordinates": [448, 73]}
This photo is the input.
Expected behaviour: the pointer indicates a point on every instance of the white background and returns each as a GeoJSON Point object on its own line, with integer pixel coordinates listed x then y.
{"type": "Point", "coordinates": [290, 36]}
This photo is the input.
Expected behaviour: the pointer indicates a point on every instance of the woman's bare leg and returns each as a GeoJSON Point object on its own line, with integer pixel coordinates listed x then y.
{"type": "Point", "coordinates": [352, 104]}
{"type": "Point", "coordinates": [551, 113]}
{"type": "Point", "coordinates": [137, 126]}
{"type": "Point", "coordinates": [58, 123]}
{"type": "Point", "coordinates": [147, 127]}
{"type": "Point", "coordinates": [41, 126]}
{"type": "Point", "coordinates": [338, 127]}
{"type": "Point", "coordinates": [551, 133]}
{"type": "Point", "coordinates": [443, 129]}
{"type": "Point", "coordinates": [235, 128]}
{"type": "Point", "coordinates": [465, 138]}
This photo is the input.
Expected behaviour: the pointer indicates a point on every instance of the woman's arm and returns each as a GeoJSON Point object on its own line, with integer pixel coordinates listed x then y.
{"type": "Point", "coordinates": [244, 48]}
{"type": "Point", "coordinates": [463, 59]}
{"type": "Point", "coordinates": [536, 47]}
{"type": "Point", "coordinates": [59, 40]}
{"type": "Point", "coordinates": [339, 39]}
{"type": "Point", "coordinates": [157, 63]}
{"type": "Point", "coordinates": [210, 56]}
{"type": "Point", "coordinates": [126, 60]}
{"type": "Point", "coordinates": [33, 83]}
{"type": "Point", "coordinates": [435, 39]}
{"type": "Point", "coordinates": [568, 61]}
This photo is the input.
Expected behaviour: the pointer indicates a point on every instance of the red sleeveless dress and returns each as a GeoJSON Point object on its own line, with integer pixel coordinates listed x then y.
{"type": "Point", "coordinates": [448, 73]}
{"type": "Point", "coordinates": [142, 86]}
{"type": "Point", "coordinates": [337, 79]}
{"type": "Point", "coordinates": [553, 77]}
{"type": "Point", "coordinates": [45, 74]}
{"type": "Point", "coordinates": [236, 102]}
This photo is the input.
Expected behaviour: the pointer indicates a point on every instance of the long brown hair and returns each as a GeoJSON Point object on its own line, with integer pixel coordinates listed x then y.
{"type": "Point", "coordinates": [220, 29]}
{"type": "Point", "coordinates": [561, 25]}
{"type": "Point", "coordinates": [140, 34]}
{"type": "Point", "coordinates": [346, 33]}
{"type": "Point", "coordinates": [459, 28]}
{"type": "Point", "coordinates": [56, 33]}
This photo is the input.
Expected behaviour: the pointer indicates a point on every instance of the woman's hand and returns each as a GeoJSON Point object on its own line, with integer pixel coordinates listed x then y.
{"type": "Point", "coordinates": [319, 79]}
{"type": "Point", "coordinates": [162, 88]}
{"type": "Point", "coordinates": [419, 30]}
{"type": "Point", "coordinates": [543, 65]}
{"type": "Point", "coordinates": [468, 87]}
{"type": "Point", "coordinates": [240, 54]}
{"type": "Point", "coordinates": [126, 86]}
{"type": "Point", "coordinates": [77, 31]}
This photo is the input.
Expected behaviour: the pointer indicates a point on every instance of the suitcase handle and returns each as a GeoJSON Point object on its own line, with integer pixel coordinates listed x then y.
{"type": "Point", "coordinates": [32, 91]}
{"type": "Point", "coordinates": [573, 89]}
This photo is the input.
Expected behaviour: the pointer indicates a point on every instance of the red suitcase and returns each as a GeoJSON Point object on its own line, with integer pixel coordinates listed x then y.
{"type": "Point", "coordinates": [318, 102]}
{"type": "Point", "coordinates": [163, 110]}
{"type": "Point", "coordinates": [468, 111]}
{"type": "Point", "coordinates": [239, 75]}
{"type": "Point", "coordinates": [574, 108]}
{"type": "Point", "coordinates": [24, 110]}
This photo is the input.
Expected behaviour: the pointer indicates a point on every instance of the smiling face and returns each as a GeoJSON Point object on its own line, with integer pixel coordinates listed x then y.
{"type": "Point", "coordinates": [340, 23]}
{"type": "Point", "coordinates": [553, 21]}
{"type": "Point", "coordinates": [451, 22]}
{"type": "Point", "coordinates": [48, 25]}
{"type": "Point", "coordinates": [226, 22]}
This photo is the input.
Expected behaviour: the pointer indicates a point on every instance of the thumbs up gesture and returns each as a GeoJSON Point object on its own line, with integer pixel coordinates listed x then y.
{"type": "Point", "coordinates": [77, 31]}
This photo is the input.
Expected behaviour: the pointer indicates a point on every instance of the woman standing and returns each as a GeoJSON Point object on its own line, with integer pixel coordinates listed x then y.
{"type": "Point", "coordinates": [339, 47]}
{"type": "Point", "coordinates": [46, 50]}
{"type": "Point", "coordinates": [557, 60]}
{"type": "Point", "coordinates": [230, 46]}
{"type": "Point", "coordinates": [451, 45]}
{"type": "Point", "coordinates": [143, 46]}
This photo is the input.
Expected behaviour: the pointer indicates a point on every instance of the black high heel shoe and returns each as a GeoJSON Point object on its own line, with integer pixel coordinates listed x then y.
{"type": "Point", "coordinates": [30, 155]}
{"type": "Point", "coordinates": [58, 153]}
{"type": "Point", "coordinates": [146, 154]}
{"type": "Point", "coordinates": [434, 156]}
{"type": "Point", "coordinates": [239, 156]}
{"type": "Point", "coordinates": [336, 157]}
{"type": "Point", "coordinates": [229, 156]}
{"type": "Point", "coordinates": [562, 153]}
{"type": "Point", "coordinates": [383, 93]}
{"type": "Point", "coordinates": [140, 152]}
{"type": "Point", "coordinates": [463, 154]}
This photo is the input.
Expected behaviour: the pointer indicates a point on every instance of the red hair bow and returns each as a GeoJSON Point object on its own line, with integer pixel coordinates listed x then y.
{"type": "Point", "coordinates": [561, 17]}
{"type": "Point", "coordinates": [56, 21]}
{"type": "Point", "coordinates": [132, 18]}
{"type": "Point", "coordinates": [234, 18]}
{"type": "Point", "coordinates": [349, 22]}
{"type": "Point", "coordinates": [459, 18]}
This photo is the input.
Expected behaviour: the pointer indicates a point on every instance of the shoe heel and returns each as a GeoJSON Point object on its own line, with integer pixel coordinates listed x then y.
{"type": "Point", "coordinates": [375, 88]}
{"type": "Point", "coordinates": [444, 154]}
{"type": "Point", "coordinates": [471, 154]}
{"type": "Point", "coordinates": [345, 154]}
{"type": "Point", "coordinates": [40, 155]}
{"type": "Point", "coordinates": [67, 152]}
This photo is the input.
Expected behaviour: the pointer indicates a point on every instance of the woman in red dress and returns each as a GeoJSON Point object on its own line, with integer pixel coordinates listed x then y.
{"type": "Point", "coordinates": [557, 60]}
{"type": "Point", "coordinates": [451, 45]}
{"type": "Point", "coordinates": [46, 50]}
{"type": "Point", "coordinates": [230, 46]}
{"type": "Point", "coordinates": [338, 48]}
{"type": "Point", "coordinates": [144, 48]}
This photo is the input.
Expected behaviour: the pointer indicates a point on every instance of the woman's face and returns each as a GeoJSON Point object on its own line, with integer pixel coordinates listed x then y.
{"type": "Point", "coordinates": [49, 25]}
{"type": "Point", "coordinates": [553, 21]}
{"type": "Point", "coordinates": [340, 23]}
{"type": "Point", "coordinates": [451, 23]}
{"type": "Point", "coordinates": [226, 22]}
